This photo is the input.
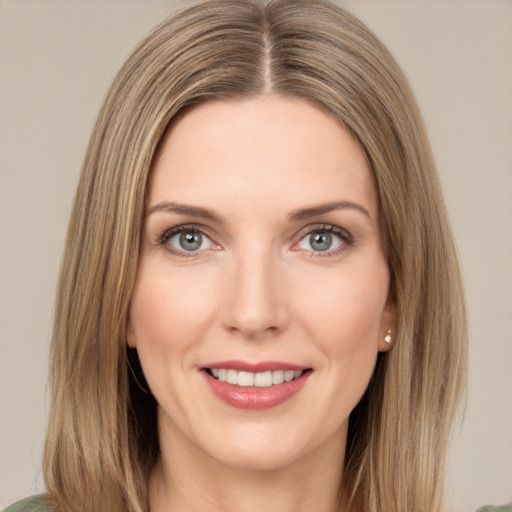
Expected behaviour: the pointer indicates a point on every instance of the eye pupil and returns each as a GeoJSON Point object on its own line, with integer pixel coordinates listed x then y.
{"type": "Point", "coordinates": [320, 241]}
{"type": "Point", "coordinates": [191, 241]}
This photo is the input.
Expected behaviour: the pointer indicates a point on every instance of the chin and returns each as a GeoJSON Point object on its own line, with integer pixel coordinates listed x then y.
{"type": "Point", "coordinates": [267, 448]}
{"type": "Point", "coordinates": [258, 458]}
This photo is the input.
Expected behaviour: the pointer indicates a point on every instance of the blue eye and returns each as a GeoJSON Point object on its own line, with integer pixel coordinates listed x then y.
{"type": "Point", "coordinates": [187, 240]}
{"type": "Point", "coordinates": [325, 239]}
{"type": "Point", "coordinates": [320, 241]}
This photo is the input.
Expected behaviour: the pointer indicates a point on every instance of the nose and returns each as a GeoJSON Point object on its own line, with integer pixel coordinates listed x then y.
{"type": "Point", "coordinates": [256, 304]}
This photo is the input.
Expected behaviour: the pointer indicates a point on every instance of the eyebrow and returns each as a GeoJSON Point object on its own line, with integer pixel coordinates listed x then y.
{"type": "Point", "coordinates": [306, 213]}
{"type": "Point", "coordinates": [297, 215]}
{"type": "Point", "coordinates": [184, 209]}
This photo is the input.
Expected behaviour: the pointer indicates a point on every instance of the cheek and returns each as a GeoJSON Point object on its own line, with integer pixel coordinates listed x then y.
{"type": "Point", "coordinates": [343, 314]}
{"type": "Point", "coordinates": [170, 311]}
{"type": "Point", "coordinates": [347, 306]}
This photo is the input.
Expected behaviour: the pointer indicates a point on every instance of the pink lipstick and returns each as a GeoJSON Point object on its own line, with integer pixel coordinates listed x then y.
{"type": "Point", "coordinates": [255, 386]}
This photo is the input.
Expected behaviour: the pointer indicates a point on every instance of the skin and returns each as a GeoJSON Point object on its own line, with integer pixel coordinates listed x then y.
{"type": "Point", "coordinates": [256, 291]}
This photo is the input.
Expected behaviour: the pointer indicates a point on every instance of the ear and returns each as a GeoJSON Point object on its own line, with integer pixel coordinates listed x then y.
{"type": "Point", "coordinates": [387, 332]}
{"type": "Point", "coordinates": [130, 335]}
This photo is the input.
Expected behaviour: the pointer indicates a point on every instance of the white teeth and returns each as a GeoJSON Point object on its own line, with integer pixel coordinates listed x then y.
{"type": "Point", "coordinates": [288, 375]}
{"type": "Point", "coordinates": [246, 379]}
{"type": "Point", "coordinates": [260, 379]}
{"type": "Point", "coordinates": [232, 377]}
{"type": "Point", "coordinates": [263, 380]}
{"type": "Point", "coordinates": [278, 377]}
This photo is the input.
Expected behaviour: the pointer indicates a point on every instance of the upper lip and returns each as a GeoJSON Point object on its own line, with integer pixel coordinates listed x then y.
{"type": "Point", "coordinates": [255, 367]}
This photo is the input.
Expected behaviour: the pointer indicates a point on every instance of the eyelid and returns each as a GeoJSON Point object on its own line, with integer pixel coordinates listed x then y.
{"type": "Point", "coordinates": [344, 235]}
{"type": "Point", "coordinates": [347, 239]}
{"type": "Point", "coordinates": [172, 231]}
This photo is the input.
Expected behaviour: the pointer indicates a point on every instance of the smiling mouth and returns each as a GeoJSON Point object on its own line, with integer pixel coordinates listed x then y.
{"type": "Point", "coordinates": [254, 379]}
{"type": "Point", "coordinates": [255, 386]}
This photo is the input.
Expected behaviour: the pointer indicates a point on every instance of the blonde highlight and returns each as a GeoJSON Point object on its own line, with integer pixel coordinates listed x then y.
{"type": "Point", "coordinates": [102, 442]}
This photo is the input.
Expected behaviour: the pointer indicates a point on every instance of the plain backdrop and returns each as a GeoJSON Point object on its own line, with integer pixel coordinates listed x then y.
{"type": "Point", "coordinates": [57, 59]}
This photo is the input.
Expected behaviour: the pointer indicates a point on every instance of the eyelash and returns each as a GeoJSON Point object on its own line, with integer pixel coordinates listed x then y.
{"type": "Point", "coordinates": [347, 240]}
{"type": "Point", "coordinates": [177, 230]}
{"type": "Point", "coordinates": [345, 237]}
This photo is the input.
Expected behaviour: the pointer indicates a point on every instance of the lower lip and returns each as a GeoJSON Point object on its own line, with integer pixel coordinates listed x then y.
{"type": "Point", "coordinates": [255, 398]}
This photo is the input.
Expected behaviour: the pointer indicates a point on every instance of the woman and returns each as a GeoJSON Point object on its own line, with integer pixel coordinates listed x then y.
{"type": "Point", "coordinates": [260, 302]}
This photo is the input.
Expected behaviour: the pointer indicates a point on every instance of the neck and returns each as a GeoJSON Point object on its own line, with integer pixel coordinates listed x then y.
{"type": "Point", "coordinates": [186, 479]}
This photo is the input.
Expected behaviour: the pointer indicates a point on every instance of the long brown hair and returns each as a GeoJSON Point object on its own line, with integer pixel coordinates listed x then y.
{"type": "Point", "coordinates": [102, 440]}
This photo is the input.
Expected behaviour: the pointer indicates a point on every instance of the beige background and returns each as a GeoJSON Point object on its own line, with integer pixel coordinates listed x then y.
{"type": "Point", "coordinates": [57, 59]}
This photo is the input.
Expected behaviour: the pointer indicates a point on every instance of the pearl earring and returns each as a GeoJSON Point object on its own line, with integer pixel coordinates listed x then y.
{"type": "Point", "coordinates": [387, 338]}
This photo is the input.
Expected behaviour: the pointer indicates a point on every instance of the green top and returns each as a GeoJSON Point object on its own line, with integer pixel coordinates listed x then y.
{"type": "Point", "coordinates": [503, 508]}
{"type": "Point", "coordinates": [32, 504]}
{"type": "Point", "coordinates": [37, 504]}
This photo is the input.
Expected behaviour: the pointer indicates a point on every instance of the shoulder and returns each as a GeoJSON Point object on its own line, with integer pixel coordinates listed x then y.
{"type": "Point", "coordinates": [503, 508]}
{"type": "Point", "coordinates": [32, 504]}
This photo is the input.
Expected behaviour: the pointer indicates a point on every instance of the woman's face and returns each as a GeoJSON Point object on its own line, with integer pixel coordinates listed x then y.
{"type": "Point", "coordinates": [261, 262]}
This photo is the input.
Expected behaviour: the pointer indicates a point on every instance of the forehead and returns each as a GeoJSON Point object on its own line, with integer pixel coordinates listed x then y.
{"type": "Point", "coordinates": [268, 148]}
